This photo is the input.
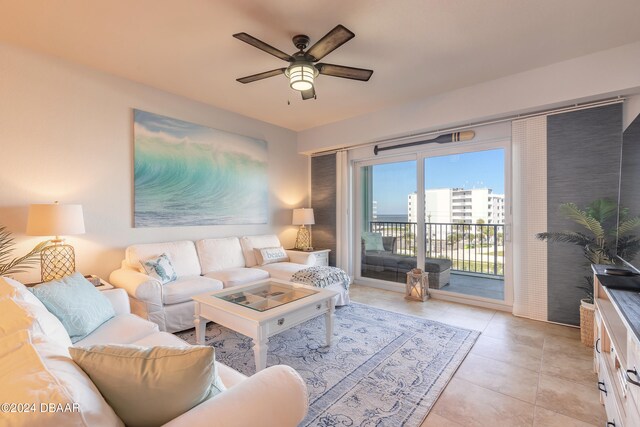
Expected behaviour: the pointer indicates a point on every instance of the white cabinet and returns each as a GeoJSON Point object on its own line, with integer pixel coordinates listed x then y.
{"type": "Point", "coordinates": [616, 360]}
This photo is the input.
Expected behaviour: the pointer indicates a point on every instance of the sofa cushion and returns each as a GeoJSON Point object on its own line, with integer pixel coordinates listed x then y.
{"type": "Point", "coordinates": [34, 371]}
{"type": "Point", "coordinates": [77, 303]}
{"type": "Point", "coordinates": [183, 256]}
{"type": "Point", "coordinates": [160, 338]}
{"type": "Point", "coordinates": [282, 270]}
{"type": "Point", "coordinates": [150, 386]}
{"type": "Point", "coordinates": [219, 254]}
{"type": "Point", "coordinates": [184, 288]}
{"type": "Point", "coordinates": [238, 276]}
{"type": "Point", "coordinates": [160, 268]}
{"type": "Point", "coordinates": [122, 329]}
{"type": "Point", "coordinates": [249, 243]}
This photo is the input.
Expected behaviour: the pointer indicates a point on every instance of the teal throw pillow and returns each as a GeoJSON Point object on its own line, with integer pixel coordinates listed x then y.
{"type": "Point", "coordinates": [80, 307]}
{"type": "Point", "coordinates": [372, 241]}
{"type": "Point", "coordinates": [160, 268]}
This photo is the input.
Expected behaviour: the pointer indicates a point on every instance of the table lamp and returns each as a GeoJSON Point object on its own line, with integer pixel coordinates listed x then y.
{"type": "Point", "coordinates": [302, 217]}
{"type": "Point", "coordinates": [59, 259]}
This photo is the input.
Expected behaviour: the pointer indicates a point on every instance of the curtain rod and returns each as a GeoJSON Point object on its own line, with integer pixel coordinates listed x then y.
{"type": "Point", "coordinates": [559, 110]}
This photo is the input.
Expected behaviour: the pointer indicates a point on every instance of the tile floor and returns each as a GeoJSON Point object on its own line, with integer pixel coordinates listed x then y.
{"type": "Point", "coordinates": [519, 373]}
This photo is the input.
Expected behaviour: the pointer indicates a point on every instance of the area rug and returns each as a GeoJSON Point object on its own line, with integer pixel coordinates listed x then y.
{"type": "Point", "coordinates": [383, 368]}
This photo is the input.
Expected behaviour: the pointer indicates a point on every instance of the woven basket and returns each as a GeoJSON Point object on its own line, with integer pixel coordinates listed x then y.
{"type": "Point", "coordinates": [586, 325]}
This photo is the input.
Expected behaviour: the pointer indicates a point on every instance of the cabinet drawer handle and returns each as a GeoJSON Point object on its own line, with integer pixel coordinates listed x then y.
{"type": "Point", "coordinates": [318, 307]}
{"type": "Point", "coordinates": [610, 424]}
{"type": "Point", "coordinates": [601, 387]}
{"type": "Point", "coordinates": [281, 322]}
{"type": "Point", "coordinates": [597, 342]}
{"type": "Point", "coordinates": [631, 380]}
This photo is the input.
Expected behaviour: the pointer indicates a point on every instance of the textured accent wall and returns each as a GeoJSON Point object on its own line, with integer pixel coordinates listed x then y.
{"type": "Point", "coordinates": [583, 161]}
{"type": "Point", "coordinates": [529, 150]}
{"type": "Point", "coordinates": [323, 202]}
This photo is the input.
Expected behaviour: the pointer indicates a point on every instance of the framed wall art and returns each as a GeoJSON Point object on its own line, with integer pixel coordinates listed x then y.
{"type": "Point", "coordinates": [187, 174]}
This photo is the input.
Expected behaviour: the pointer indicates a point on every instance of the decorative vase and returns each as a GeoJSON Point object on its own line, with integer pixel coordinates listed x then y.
{"type": "Point", "coordinates": [587, 313]}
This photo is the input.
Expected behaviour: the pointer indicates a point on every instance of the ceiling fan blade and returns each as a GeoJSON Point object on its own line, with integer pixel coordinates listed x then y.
{"type": "Point", "coordinates": [344, 72]}
{"type": "Point", "coordinates": [330, 42]}
{"type": "Point", "coordinates": [263, 46]}
{"type": "Point", "coordinates": [261, 76]}
{"type": "Point", "coordinates": [308, 94]}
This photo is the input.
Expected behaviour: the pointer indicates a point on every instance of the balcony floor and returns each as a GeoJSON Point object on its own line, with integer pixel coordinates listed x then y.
{"type": "Point", "coordinates": [480, 286]}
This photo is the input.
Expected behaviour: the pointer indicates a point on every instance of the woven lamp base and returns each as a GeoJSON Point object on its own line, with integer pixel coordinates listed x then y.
{"type": "Point", "coordinates": [303, 240]}
{"type": "Point", "coordinates": [57, 261]}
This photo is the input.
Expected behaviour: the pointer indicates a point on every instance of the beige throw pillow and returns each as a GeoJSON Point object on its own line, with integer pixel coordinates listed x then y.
{"type": "Point", "coordinates": [266, 256]}
{"type": "Point", "coordinates": [150, 386]}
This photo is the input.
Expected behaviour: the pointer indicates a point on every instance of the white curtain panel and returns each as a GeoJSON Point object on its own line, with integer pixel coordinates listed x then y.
{"type": "Point", "coordinates": [343, 210]}
{"type": "Point", "coordinates": [529, 143]}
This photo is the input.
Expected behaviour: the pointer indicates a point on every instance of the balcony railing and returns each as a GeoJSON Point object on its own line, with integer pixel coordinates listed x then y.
{"type": "Point", "coordinates": [474, 248]}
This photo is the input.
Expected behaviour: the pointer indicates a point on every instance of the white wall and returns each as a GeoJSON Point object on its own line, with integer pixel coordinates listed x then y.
{"type": "Point", "coordinates": [630, 110]}
{"type": "Point", "coordinates": [66, 134]}
{"type": "Point", "coordinates": [596, 76]}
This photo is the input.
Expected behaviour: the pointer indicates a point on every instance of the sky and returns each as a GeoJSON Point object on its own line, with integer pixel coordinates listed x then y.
{"type": "Point", "coordinates": [393, 182]}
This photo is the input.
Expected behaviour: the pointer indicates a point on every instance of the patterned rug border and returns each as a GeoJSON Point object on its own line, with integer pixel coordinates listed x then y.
{"type": "Point", "coordinates": [436, 374]}
{"type": "Point", "coordinates": [459, 356]}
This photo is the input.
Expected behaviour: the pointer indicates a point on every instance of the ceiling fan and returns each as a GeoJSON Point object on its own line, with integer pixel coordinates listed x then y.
{"type": "Point", "coordinates": [304, 66]}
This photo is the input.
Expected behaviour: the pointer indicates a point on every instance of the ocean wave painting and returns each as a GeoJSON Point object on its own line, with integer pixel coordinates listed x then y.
{"type": "Point", "coordinates": [187, 174]}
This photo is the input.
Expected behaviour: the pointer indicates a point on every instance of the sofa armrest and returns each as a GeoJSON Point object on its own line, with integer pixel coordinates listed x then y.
{"type": "Point", "coordinates": [298, 257]}
{"type": "Point", "coordinates": [274, 397]}
{"type": "Point", "coordinates": [119, 300]}
{"type": "Point", "coordinates": [137, 285]}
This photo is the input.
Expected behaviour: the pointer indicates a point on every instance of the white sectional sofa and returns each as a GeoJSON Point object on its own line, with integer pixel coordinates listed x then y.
{"type": "Point", "coordinates": [248, 401]}
{"type": "Point", "coordinates": [201, 266]}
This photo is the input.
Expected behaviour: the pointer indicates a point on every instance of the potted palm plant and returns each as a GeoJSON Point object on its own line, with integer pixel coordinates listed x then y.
{"type": "Point", "coordinates": [10, 266]}
{"type": "Point", "coordinates": [601, 238]}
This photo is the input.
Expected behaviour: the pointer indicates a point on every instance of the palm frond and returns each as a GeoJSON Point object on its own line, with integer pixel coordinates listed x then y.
{"type": "Point", "coordinates": [628, 247]}
{"type": "Point", "coordinates": [572, 212]}
{"type": "Point", "coordinates": [602, 209]}
{"type": "Point", "coordinates": [20, 264]}
{"type": "Point", "coordinates": [628, 225]}
{"type": "Point", "coordinates": [566, 237]}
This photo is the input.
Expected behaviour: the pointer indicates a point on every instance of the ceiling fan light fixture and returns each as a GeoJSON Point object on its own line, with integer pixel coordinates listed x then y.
{"type": "Point", "coordinates": [301, 76]}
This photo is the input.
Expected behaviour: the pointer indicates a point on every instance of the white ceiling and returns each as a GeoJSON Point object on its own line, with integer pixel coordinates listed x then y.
{"type": "Point", "coordinates": [417, 48]}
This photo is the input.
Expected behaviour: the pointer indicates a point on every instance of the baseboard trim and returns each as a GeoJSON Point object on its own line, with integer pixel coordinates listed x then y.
{"type": "Point", "coordinates": [440, 295]}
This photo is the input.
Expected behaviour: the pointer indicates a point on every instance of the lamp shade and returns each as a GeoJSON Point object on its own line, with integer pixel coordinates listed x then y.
{"type": "Point", "coordinates": [303, 216]}
{"type": "Point", "coordinates": [55, 220]}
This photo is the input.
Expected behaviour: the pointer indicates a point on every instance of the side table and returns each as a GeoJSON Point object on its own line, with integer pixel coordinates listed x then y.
{"type": "Point", "coordinates": [322, 256]}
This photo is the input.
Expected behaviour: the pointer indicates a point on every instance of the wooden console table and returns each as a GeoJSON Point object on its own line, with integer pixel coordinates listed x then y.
{"type": "Point", "coordinates": [617, 348]}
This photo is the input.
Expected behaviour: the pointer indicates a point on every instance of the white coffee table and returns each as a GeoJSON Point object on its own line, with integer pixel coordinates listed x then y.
{"type": "Point", "coordinates": [262, 309]}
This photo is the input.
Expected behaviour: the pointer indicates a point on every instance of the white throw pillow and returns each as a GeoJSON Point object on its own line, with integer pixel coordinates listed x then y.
{"type": "Point", "coordinates": [26, 381]}
{"type": "Point", "coordinates": [150, 386]}
{"type": "Point", "coordinates": [13, 317]}
{"type": "Point", "coordinates": [266, 256]}
{"type": "Point", "coordinates": [160, 268]}
{"type": "Point", "coordinates": [40, 320]}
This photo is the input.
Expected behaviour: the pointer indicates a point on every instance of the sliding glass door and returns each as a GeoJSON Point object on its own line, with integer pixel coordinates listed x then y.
{"type": "Point", "coordinates": [388, 241]}
{"type": "Point", "coordinates": [464, 220]}
{"type": "Point", "coordinates": [454, 227]}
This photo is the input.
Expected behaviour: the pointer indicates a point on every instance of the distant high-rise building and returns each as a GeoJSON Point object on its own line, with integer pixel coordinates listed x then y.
{"type": "Point", "coordinates": [459, 205]}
